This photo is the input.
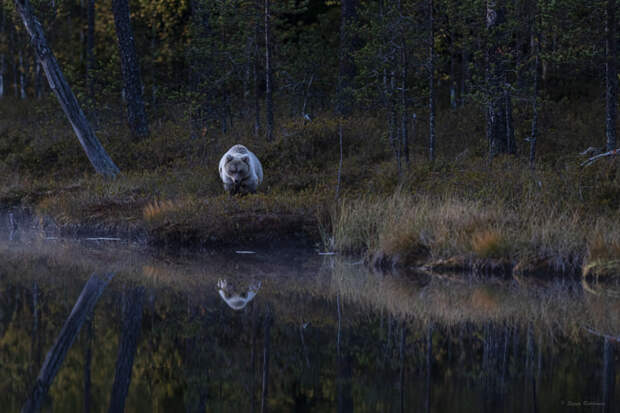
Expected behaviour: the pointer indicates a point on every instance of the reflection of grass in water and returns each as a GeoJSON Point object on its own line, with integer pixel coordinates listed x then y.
{"type": "Point", "coordinates": [554, 306]}
{"type": "Point", "coordinates": [295, 289]}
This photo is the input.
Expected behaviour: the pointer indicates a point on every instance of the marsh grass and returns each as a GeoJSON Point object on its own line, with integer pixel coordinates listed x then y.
{"type": "Point", "coordinates": [434, 227]}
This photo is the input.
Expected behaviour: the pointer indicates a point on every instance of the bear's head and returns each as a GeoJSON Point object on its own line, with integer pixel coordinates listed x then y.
{"type": "Point", "coordinates": [237, 169]}
{"type": "Point", "coordinates": [235, 300]}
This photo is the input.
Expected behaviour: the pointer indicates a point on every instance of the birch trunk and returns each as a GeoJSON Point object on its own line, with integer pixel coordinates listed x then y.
{"type": "Point", "coordinates": [84, 132]}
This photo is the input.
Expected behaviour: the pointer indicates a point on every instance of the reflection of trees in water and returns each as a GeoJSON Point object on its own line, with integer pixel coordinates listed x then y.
{"type": "Point", "coordinates": [369, 342]}
{"type": "Point", "coordinates": [130, 332]}
{"type": "Point", "coordinates": [55, 357]}
{"type": "Point", "coordinates": [88, 356]}
{"type": "Point", "coordinates": [8, 305]}
{"type": "Point", "coordinates": [609, 375]}
{"type": "Point", "coordinates": [266, 354]}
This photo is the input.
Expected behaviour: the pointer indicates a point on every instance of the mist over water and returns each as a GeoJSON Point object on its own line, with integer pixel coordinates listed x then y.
{"type": "Point", "coordinates": [96, 326]}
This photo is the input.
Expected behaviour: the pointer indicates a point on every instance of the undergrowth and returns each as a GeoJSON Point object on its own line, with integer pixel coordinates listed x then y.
{"type": "Point", "coordinates": [459, 205]}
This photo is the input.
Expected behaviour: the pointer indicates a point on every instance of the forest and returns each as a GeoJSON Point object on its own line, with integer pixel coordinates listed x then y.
{"type": "Point", "coordinates": [439, 133]}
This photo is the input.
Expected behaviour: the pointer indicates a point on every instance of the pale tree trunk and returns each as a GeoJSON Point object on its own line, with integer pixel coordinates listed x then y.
{"type": "Point", "coordinates": [431, 83]}
{"type": "Point", "coordinates": [611, 76]}
{"type": "Point", "coordinates": [130, 67]}
{"type": "Point", "coordinates": [84, 132]}
{"type": "Point", "coordinates": [268, 74]}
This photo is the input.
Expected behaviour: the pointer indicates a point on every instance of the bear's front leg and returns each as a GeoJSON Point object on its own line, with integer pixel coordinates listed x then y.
{"type": "Point", "coordinates": [231, 188]}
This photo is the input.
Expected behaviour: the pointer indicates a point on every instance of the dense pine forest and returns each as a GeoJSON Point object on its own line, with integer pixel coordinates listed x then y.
{"type": "Point", "coordinates": [449, 134]}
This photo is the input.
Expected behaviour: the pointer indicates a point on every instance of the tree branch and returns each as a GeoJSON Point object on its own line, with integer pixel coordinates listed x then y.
{"type": "Point", "coordinates": [593, 159]}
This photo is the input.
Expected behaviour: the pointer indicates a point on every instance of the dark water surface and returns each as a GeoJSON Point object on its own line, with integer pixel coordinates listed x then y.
{"type": "Point", "coordinates": [92, 327]}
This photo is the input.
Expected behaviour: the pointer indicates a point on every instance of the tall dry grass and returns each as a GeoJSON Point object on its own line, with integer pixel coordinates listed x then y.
{"type": "Point", "coordinates": [405, 224]}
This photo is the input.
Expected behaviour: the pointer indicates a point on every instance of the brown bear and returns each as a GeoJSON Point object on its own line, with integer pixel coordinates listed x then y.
{"type": "Point", "coordinates": [240, 170]}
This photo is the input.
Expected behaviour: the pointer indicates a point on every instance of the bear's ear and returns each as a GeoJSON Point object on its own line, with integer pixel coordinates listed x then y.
{"type": "Point", "coordinates": [229, 158]}
{"type": "Point", "coordinates": [246, 159]}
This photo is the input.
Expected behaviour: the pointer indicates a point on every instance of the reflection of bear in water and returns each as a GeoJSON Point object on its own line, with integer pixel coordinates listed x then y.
{"type": "Point", "coordinates": [240, 170]}
{"type": "Point", "coordinates": [234, 300]}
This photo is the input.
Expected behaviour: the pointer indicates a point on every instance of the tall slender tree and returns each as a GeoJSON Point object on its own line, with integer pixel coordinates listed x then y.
{"type": "Point", "coordinates": [90, 45]}
{"type": "Point", "coordinates": [268, 73]}
{"type": "Point", "coordinates": [2, 61]}
{"type": "Point", "coordinates": [255, 61]}
{"type": "Point", "coordinates": [499, 108]}
{"type": "Point", "coordinates": [431, 82]}
{"type": "Point", "coordinates": [535, 44]}
{"type": "Point", "coordinates": [347, 69]}
{"type": "Point", "coordinates": [130, 67]}
{"type": "Point", "coordinates": [611, 76]}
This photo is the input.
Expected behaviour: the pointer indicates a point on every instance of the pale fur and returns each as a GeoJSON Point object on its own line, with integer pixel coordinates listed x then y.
{"type": "Point", "coordinates": [240, 170]}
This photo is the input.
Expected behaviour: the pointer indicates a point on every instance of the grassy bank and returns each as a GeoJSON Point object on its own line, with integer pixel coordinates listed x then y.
{"type": "Point", "coordinates": [460, 212]}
